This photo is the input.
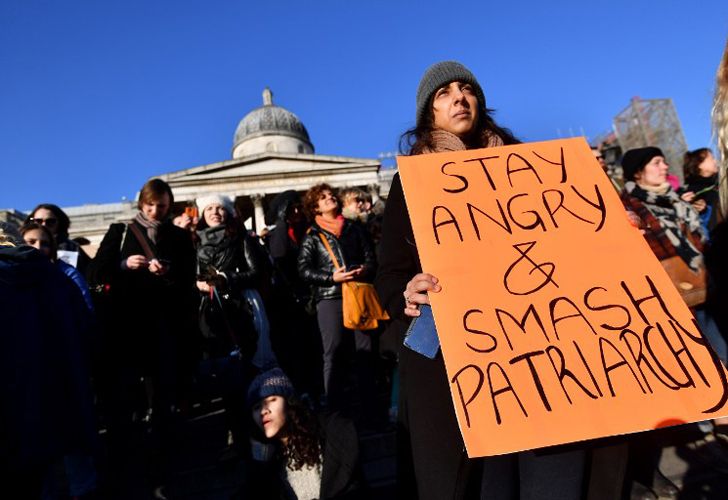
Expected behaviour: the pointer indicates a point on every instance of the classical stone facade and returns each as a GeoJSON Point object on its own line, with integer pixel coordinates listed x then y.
{"type": "Point", "coordinates": [272, 152]}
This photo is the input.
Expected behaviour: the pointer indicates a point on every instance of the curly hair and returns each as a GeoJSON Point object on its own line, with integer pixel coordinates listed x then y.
{"type": "Point", "coordinates": [304, 441]}
{"type": "Point", "coordinates": [312, 197]}
{"type": "Point", "coordinates": [692, 160]}
{"type": "Point", "coordinates": [303, 446]}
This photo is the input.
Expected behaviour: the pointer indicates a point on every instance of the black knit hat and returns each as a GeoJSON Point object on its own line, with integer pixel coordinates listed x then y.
{"type": "Point", "coordinates": [269, 383]}
{"type": "Point", "coordinates": [440, 74]}
{"type": "Point", "coordinates": [635, 160]}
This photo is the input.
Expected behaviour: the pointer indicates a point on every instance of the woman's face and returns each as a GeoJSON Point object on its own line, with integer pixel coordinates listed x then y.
{"type": "Point", "coordinates": [47, 218]}
{"type": "Point", "coordinates": [38, 240]}
{"type": "Point", "coordinates": [327, 203]}
{"type": "Point", "coordinates": [709, 166]}
{"type": "Point", "coordinates": [455, 108]}
{"type": "Point", "coordinates": [654, 174]}
{"type": "Point", "coordinates": [156, 209]}
{"type": "Point", "coordinates": [214, 214]}
{"type": "Point", "coordinates": [269, 414]}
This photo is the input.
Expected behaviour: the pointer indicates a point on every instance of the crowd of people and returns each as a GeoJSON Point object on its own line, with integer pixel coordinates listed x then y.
{"type": "Point", "coordinates": [177, 308]}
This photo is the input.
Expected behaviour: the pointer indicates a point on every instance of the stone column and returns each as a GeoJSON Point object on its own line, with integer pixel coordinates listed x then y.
{"type": "Point", "coordinates": [259, 214]}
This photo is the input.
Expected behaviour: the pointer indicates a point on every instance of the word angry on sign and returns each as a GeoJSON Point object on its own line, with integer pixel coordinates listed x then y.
{"type": "Point", "coordinates": [557, 323]}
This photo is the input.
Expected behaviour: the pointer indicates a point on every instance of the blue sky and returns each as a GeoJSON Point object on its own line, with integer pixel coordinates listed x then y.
{"type": "Point", "coordinates": [95, 97]}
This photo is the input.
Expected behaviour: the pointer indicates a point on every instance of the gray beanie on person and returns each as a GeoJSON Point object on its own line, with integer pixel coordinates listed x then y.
{"type": "Point", "coordinates": [440, 74]}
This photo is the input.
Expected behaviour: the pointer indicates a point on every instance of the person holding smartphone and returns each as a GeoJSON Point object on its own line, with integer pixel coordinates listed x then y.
{"type": "Point", "coordinates": [354, 252]}
{"type": "Point", "coordinates": [148, 268]}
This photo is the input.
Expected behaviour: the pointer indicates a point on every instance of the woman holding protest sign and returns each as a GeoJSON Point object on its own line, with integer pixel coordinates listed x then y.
{"type": "Point", "coordinates": [432, 462]}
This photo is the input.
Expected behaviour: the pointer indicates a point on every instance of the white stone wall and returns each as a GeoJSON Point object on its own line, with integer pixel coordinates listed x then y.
{"type": "Point", "coordinates": [271, 144]}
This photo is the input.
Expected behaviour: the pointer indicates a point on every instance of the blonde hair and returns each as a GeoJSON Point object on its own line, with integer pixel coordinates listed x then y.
{"type": "Point", "coordinates": [720, 125]}
{"type": "Point", "coordinates": [5, 240]}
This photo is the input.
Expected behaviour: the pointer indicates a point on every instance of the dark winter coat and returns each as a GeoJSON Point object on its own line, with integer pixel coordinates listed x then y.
{"type": "Point", "coordinates": [352, 248]}
{"type": "Point", "coordinates": [145, 309]}
{"type": "Point", "coordinates": [341, 474]}
{"type": "Point", "coordinates": [46, 407]}
{"type": "Point", "coordinates": [242, 261]}
{"type": "Point", "coordinates": [428, 426]}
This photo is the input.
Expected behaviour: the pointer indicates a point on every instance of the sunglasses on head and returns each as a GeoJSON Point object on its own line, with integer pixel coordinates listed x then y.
{"type": "Point", "coordinates": [48, 221]}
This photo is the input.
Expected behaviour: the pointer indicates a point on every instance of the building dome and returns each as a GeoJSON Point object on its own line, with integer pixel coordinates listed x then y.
{"type": "Point", "coordinates": [270, 128]}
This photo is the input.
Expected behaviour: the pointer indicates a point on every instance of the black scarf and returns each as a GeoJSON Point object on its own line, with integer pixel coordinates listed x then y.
{"type": "Point", "coordinates": [214, 246]}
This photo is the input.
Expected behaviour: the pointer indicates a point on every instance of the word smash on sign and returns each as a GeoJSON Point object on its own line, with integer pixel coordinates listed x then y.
{"type": "Point", "coordinates": [629, 337]}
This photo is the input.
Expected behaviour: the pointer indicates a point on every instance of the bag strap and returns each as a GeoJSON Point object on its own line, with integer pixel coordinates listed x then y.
{"type": "Point", "coordinates": [331, 252]}
{"type": "Point", "coordinates": [142, 241]}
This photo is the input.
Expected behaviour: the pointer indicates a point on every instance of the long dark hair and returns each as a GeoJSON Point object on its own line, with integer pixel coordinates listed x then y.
{"type": "Point", "coordinates": [692, 160]}
{"type": "Point", "coordinates": [63, 221]}
{"type": "Point", "coordinates": [419, 138]}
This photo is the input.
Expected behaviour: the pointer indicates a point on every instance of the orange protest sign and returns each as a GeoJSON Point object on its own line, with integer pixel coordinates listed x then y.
{"type": "Point", "coordinates": [557, 323]}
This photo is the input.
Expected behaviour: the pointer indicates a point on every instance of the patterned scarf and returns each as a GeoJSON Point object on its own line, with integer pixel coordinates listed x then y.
{"type": "Point", "coordinates": [152, 226]}
{"type": "Point", "coordinates": [677, 220]}
{"type": "Point", "coordinates": [332, 226]}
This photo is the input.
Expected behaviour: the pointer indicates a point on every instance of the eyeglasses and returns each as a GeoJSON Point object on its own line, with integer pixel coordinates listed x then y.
{"type": "Point", "coordinates": [48, 221]}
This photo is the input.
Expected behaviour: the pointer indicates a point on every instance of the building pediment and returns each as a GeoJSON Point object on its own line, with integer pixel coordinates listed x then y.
{"type": "Point", "coordinates": [269, 165]}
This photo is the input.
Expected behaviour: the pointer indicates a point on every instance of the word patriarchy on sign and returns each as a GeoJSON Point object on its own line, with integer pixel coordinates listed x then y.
{"type": "Point", "coordinates": [557, 322]}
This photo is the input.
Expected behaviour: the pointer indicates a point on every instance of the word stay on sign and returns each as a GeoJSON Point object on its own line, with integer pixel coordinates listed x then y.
{"type": "Point", "coordinates": [557, 322]}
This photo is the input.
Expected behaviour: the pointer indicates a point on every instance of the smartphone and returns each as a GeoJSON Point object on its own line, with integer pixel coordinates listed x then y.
{"type": "Point", "coordinates": [352, 268]}
{"type": "Point", "coordinates": [421, 335]}
{"type": "Point", "coordinates": [191, 212]}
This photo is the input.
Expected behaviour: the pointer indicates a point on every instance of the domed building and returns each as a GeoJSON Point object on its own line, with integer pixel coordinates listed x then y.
{"type": "Point", "coordinates": [272, 152]}
{"type": "Point", "coordinates": [270, 128]}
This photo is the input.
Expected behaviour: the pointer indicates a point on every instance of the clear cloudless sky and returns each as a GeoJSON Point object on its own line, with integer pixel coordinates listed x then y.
{"type": "Point", "coordinates": [98, 96]}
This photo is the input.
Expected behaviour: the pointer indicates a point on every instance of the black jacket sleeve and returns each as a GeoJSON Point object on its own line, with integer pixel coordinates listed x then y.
{"type": "Point", "coordinates": [309, 267]}
{"type": "Point", "coordinates": [106, 265]}
{"type": "Point", "coordinates": [399, 260]}
{"type": "Point", "coordinates": [248, 273]}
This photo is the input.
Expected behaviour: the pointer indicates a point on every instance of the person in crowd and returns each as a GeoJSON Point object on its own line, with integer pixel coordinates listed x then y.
{"type": "Point", "coordinates": [700, 169]}
{"type": "Point", "coordinates": [80, 467]}
{"type": "Point", "coordinates": [715, 254]}
{"type": "Point", "coordinates": [331, 232]}
{"type": "Point", "coordinates": [41, 238]}
{"type": "Point", "coordinates": [295, 336]}
{"type": "Point", "coordinates": [298, 454]}
{"type": "Point", "coordinates": [673, 229]}
{"type": "Point", "coordinates": [58, 222]}
{"type": "Point", "coordinates": [47, 405]}
{"type": "Point", "coordinates": [352, 204]}
{"type": "Point", "coordinates": [228, 265]}
{"type": "Point", "coordinates": [188, 219]}
{"type": "Point", "coordinates": [432, 463]}
{"type": "Point", "coordinates": [148, 266]}
{"type": "Point", "coordinates": [233, 262]}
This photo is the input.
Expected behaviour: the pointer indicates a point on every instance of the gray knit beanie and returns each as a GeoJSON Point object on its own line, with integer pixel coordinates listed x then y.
{"type": "Point", "coordinates": [440, 74]}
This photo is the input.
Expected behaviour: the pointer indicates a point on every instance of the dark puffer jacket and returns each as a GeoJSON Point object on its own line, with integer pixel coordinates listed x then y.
{"type": "Point", "coordinates": [352, 248]}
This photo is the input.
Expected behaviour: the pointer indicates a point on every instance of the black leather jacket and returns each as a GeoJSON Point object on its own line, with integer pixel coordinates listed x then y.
{"type": "Point", "coordinates": [237, 257]}
{"type": "Point", "coordinates": [352, 248]}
